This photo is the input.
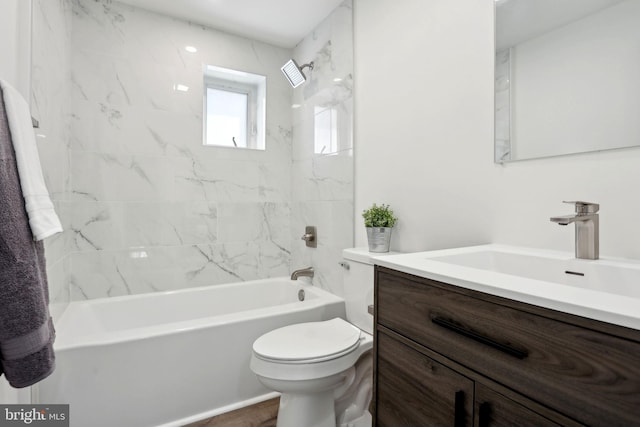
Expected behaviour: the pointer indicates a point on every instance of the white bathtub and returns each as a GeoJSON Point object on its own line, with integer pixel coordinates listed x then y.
{"type": "Point", "coordinates": [170, 358]}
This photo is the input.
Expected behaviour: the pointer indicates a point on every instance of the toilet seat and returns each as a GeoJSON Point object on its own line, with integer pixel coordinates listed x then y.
{"type": "Point", "coordinates": [269, 361]}
{"type": "Point", "coordinates": [306, 343]}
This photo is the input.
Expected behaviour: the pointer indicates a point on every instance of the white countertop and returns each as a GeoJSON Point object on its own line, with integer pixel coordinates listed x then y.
{"type": "Point", "coordinates": [615, 308]}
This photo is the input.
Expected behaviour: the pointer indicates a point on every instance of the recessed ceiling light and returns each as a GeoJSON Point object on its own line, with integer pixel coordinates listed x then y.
{"type": "Point", "coordinates": [191, 49]}
{"type": "Point", "coordinates": [337, 79]}
{"type": "Point", "coordinates": [181, 88]}
{"type": "Point", "coordinates": [296, 106]}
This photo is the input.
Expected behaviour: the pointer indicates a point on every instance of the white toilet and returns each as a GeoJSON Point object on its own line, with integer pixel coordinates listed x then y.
{"type": "Point", "coordinates": [313, 364]}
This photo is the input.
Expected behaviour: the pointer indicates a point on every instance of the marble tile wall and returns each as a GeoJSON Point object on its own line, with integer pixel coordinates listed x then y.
{"type": "Point", "coordinates": [503, 149]}
{"type": "Point", "coordinates": [51, 106]}
{"type": "Point", "coordinates": [145, 206]}
{"type": "Point", "coordinates": [322, 171]}
{"type": "Point", "coordinates": [150, 207]}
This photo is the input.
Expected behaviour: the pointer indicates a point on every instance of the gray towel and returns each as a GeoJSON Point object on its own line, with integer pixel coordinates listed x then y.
{"type": "Point", "coordinates": [26, 330]}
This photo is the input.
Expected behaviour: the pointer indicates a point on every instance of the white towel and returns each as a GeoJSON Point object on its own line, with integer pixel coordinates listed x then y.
{"type": "Point", "coordinates": [42, 217]}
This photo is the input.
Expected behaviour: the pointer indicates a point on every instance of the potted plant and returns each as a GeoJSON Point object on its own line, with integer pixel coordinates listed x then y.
{"type": "Point", "coordinates": [379, 221]}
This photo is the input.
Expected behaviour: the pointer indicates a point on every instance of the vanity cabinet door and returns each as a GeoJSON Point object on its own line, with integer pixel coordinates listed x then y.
{"type": "Point", "coordinates": [414, 390]}
{"type": "Point", "coordinates": [495, 410]}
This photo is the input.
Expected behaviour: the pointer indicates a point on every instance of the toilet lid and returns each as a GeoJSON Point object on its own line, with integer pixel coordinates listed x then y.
{"type": "Point", "coordinates": [307, 341]}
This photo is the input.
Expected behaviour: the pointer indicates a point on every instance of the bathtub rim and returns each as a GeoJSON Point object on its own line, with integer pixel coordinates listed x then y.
{"type": "Point", "coordinates": [105, 338]}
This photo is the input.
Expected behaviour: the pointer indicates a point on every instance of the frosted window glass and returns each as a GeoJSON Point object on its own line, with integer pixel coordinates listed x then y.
{"type": "Point", "coordinates": [226, 118]}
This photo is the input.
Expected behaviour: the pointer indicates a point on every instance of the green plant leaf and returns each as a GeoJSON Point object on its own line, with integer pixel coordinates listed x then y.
{"type": "Point", "coordinates": [379, 216]}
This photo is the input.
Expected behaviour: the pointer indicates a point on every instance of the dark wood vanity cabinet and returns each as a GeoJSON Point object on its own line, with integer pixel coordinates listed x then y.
{"type": "Point", "coordinates": [412, 386]}
{"type": "Point", "coordinates": [448, 356]}
{"type": "Point", "coordinates": [496, 410]}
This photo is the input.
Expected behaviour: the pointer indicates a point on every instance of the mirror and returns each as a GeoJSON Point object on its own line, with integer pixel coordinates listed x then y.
{"type": "Point", "coordinates": [567, 77]}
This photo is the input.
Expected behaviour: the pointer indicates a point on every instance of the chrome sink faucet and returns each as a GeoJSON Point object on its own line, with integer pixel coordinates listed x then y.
{"type": "Point", "coordinates": [303, 272]}
{"type": "Point", "coordinates": [587, 228]}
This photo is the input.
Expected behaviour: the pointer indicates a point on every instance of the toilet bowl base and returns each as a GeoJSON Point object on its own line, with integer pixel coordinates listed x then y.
{"type": "Point", "coordinates": [309, 403]}
{"type": "Point", "coordinates": [312, 410]}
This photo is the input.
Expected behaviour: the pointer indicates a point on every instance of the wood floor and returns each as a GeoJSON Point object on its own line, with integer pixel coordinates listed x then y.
{"type": "Point", "coordinates": [262, 414]}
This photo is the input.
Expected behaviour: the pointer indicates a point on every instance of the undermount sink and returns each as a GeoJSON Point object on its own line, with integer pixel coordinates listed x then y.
{"type": "Point", "coordinates": [603, 289]}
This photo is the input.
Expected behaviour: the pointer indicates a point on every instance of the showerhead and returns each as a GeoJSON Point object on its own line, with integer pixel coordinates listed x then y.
{"type": "Point", "coordinates": [293, 72]}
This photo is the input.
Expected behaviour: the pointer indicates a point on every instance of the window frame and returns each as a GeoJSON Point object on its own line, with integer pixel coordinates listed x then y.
{"type": "Point", "coordinates": [256, 115]}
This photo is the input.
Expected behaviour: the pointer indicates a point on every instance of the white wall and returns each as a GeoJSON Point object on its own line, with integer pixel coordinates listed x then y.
{"type": "Point", "coordinates": [424, 140]}
{"type": "Point", "coordinates": [424, 120]}
{"type": "Point", "coordinates": [15, 44]}
{"type": "Point", "coordinates": [8, 36]}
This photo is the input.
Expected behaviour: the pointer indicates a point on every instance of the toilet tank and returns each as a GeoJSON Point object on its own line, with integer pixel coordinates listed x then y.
{"type": "Point", "coordinates": [357, 281]}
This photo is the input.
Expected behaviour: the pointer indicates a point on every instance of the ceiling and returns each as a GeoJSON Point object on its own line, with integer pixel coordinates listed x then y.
{"type": "Point", "coordinates": [283, 23]}
{"type": "Point", "coordinates": [521, 20]}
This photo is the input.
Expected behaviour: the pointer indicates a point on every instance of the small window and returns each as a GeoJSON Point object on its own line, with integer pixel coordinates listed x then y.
{"type": "Point", "coordinates": [234, 107]}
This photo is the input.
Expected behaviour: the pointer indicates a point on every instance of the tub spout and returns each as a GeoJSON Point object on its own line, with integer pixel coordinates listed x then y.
{"type": "Point", "coordinates": [303, 272]}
